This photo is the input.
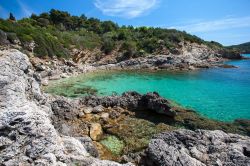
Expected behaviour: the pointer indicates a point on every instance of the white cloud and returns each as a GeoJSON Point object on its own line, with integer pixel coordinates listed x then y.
{"type": "Point", "coordinates": [216, 25]}
{"type": "Point", "coordinates": [125, 8]}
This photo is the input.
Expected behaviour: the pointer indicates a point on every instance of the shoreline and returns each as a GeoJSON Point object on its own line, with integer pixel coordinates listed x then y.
{"type": "Point", "coordinates": [122, 66]}
{"type": "Point", "coordinates": [45, 129]}
{"type": "Point", "coordinates": [93, 73]}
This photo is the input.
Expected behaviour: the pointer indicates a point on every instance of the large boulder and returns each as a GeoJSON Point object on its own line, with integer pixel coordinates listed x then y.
{"type": "Point", "coordinates": [95, 131]}
{"type": "Point", "coordinates": [3, 38]}
{"type": "Point", "coordinates": [133, 100]}
{"type": "Point", "coordinates": [12, 37]}
{"type": "Point", "coordinates": [198, 148]}
{"type": "Point", "coordinates": [153, 101]}
{"type": "Point", "coordinates": [65, 109]}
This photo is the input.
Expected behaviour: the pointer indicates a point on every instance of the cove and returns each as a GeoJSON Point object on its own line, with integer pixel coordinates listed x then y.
{"type": "Point", "coordinates": [218, 93]}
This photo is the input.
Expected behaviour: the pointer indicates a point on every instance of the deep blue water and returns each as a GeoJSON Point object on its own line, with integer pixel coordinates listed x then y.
{"type": "Point", "coordinates": [222, 94]}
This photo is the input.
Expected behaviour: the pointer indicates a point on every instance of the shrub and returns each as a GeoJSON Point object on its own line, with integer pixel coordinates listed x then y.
{"type": "Point", "coordinates": [43, 22]}
{"type": "Point", "coordinates": [130, 48]}
{"type": "Point", "coordinates": [57, 31]}
{"type": "Point", "coordinates": [25, 38]}
{"type": "Point", "coordinates": [108, 46]}
{"type": "Point", "coordinates": [12, 37]}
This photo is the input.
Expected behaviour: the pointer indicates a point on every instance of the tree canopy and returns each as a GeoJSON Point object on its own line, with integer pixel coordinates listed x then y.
{"type": "Point", "coordinates": [11, 17]}
{"type": "Point", "coordinates": [56, 32]}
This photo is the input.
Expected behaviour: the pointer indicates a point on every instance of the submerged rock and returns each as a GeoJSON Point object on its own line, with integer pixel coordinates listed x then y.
{"type": "Point", "coordinates": [113, 144]}
{"type": "Point", "coordinates": [198, 148]}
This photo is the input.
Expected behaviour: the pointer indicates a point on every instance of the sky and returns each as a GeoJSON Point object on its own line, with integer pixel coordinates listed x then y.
{"type": "Point", "coordinates": [224, 21]}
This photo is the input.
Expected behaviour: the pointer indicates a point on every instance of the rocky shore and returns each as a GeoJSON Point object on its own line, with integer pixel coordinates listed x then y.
{"type": "Point", "coordinates": [27, 136]}
{"type": "Point", "coordinates": [52, 70]}
{"type": "Point", "coordinates": [41, 129]}
{"type": "Point", "coordinates": [191, 56]}
{"type": "Point", "coordinates": [198, 148]}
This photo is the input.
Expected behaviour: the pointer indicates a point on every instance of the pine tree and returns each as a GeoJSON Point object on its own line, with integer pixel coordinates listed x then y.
{"type": "Point", "coordinates": [12, 17]}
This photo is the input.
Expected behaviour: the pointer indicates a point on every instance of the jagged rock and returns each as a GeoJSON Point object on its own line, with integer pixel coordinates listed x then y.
{"type": "Point", "coordinates": [63, 75]}
{"type": "Point", "coordinates": [81, 114]}
{"type": "Point", "coordinates": [12, 37]}
{"type": "Point", "coordinates": [133, 100]}
{"type": "Point", "coordinates": [87, 110]}
{"type": "Point", "coordinates": [153, 101]}
{"type": "Point", "coordinates": [45, 82]}
{"type": "Point", "coordinates": [64, 109]}
{"type": "Point", "coordinates": [136, 158]}
{"type": "Point", "coordinates": [105, 116]}
{"type": "Point", "coordinates": [27, 136]}
{"type": "Point", "coordinates": [55, 77]}
{"type": "Point", "coordinates": [3, 38]}
{"type": "Point", "coordinates": [95, 131]}
{"type": "Point", "coordinates": [29, 45]}
{"type": "Point", "coordinates": [40, 67]}
{"type": "Point", "coordinates": [198, 148]}
{"type": "Point", "coordinates": [37, 77]}
{"type": "Point", "coordinates": [98, 109]}
{"type": "Point", "coordinates": [70, 63]}
{"type": "Point", "coordinates": [88, 145]}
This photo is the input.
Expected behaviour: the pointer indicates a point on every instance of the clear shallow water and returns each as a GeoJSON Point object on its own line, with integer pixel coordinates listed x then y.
{"type": "Point", "coordinates": [222, 94]}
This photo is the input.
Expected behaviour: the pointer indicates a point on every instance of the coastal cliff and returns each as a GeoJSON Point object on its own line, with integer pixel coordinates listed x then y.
{"type": "Point", "coordinates": [40, 129]}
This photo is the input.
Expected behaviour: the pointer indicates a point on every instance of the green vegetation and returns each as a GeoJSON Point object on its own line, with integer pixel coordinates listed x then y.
{"type": "Point", "coordinates": [113, 144]}
{"type": "Point", "coordinates": [11, 17]}
{"type": "Point", "coordinates": [57, 32]}
{"type": "Point", "coordinates": [244, 48]}
{"type": "Point", "coordinates": [136, 133]}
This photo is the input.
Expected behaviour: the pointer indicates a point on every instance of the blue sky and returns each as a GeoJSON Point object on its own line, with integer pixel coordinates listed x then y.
{"type": "Point", "coordinates": [225, 21]}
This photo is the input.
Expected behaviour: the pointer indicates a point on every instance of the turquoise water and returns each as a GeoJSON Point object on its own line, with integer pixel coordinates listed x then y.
{"type": "Point", "coordinates": [222, 94]}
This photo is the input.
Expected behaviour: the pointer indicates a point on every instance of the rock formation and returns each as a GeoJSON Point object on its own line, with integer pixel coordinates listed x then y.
{"type": "Point", "coordinates": [33, 128]}
{"type": "Point", "coordinates": [198, 148]}
{"type": "Point", "coordinates": [134, 101]}
{"type": "Point", "coordinates": [27, 136]}
{"type": "Point", "coordinates": [190, 56]}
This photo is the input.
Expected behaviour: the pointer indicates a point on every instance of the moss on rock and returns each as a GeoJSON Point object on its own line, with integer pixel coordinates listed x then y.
{"type": "Point", "coordinates": [136, 133]}
{"type": "Point", "coordinates": [114, 144]}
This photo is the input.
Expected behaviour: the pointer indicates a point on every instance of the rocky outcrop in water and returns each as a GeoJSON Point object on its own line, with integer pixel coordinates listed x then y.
{"type": "Point", "coordinates": [198, 148]}
{"type": "Point", "coordinates": [134, 101]}
{"type": "Point", "coordinates": [231, 54]}
{"type": "Point", "coordinates": [27, 136]}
